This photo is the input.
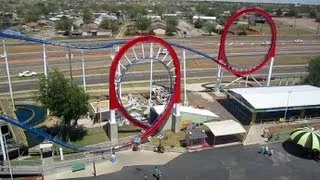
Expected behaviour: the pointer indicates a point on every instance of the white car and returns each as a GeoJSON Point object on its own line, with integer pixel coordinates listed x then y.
{"type": "Point", "coordinates": [266, 43]}
{"type": "Point", "coordinates": [164, 52]}
{"type": "Point", "coordinates": [27, 74]}
{"type": "Point", "coordinates": [298, 41]}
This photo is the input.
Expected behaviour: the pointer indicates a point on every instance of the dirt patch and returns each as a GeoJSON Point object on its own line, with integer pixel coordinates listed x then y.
{"type": "Point", "coordinates": [49, 122]}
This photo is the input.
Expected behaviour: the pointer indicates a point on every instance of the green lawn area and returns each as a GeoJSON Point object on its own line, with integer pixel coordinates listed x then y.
{"type": "Point", "coordinates": [282, 136]}
{"type": "Point", "coordinates": [94, 136]}
{"type": "Point", "coordinates": [282, 30]}
{"type": "Point", "coordinates": [173, 139]}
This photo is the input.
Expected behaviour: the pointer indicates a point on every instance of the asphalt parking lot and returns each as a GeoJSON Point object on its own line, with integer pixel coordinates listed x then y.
{"type": "Point", "coordinates": [228, 163]}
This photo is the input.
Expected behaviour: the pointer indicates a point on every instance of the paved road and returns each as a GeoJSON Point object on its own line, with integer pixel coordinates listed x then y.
{"type": "Point", "coordinates": [105, 60]}
{"type": "Point", "coordinates": [207, 45]}
{"type": "Point", "coordinates": [228, 163]}
{"type": "Point", "coordinates": [103, 78]}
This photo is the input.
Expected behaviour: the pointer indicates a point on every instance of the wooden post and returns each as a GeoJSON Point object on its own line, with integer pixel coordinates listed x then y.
{"type": "Point", "coordinates": [94, 168]}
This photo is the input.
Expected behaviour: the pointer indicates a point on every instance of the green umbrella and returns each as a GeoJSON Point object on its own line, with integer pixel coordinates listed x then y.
{"type": "Point", "coordinates": [306, 137]}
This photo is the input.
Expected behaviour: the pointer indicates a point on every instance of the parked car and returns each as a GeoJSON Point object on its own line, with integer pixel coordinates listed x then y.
{"type": "Point", "coordinates": [266, 43]}
{"type": "Point", "coordinates": [27, 74]}
{"type": "Point", "coordinates": [298, 41]}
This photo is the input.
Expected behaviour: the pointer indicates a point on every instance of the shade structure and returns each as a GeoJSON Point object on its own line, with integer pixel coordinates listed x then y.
{"type": "Point", "coordinates": [306, 137]}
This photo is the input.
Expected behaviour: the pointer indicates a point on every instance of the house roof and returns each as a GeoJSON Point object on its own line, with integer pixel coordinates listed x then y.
{"type": "Point", "coordinates": [196, 133]}
{"type": "Point", "coordinates": [224, 128]}
{"type": "Point", "coordinates": [31, 24]}
{"type": "Point", "coordinates": [279, 96]}
{"type": "Point", "coordinates": [188, 109]}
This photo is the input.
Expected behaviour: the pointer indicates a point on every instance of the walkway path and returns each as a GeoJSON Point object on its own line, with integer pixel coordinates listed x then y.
{"type": "Point", "coordinates": [125, 158]}
{"type": "Point", "coordinates": [228, 163]}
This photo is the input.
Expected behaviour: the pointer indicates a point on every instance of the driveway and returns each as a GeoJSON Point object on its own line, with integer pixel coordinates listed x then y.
{"type": "Point", "coordinates": [228, 163]}
{"type": "Point", "coordinates": [191, 31]}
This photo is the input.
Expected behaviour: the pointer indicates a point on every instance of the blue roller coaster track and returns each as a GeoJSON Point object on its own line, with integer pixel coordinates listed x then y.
{"type": "Point", "coordinates": [16, 35]}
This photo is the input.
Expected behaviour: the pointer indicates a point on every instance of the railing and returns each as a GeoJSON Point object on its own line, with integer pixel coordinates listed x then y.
{"type": "Point", "coordinates": [34, 162]}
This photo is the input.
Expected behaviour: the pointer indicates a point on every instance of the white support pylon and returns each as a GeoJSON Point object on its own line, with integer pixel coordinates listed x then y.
{"type": "Point", "coordinates": [45, 63]}
{"type": "Point", "coordinates": [270, 71]}
{"type": "Point", "coordinates": [218, 79]}
{"type": "Point", "coordinates": [151, 72]}
{"type": "Point", "coordinates": [185, 97]}
{"type": "Point", "coordinates": [83, 71]}
{"type": "Point", "coordinates": [5, 55]}
{"type": "Point", "coordinates": [118, 74]}
{"type": "Point", "coordinates": [247, 77]}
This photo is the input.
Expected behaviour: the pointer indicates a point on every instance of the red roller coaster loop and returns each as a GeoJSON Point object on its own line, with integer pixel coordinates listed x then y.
{"type": "Point", "coordinates": [115, 102]}
{"type": "Point", "coordinates": [222, 58]}
{"type": "Point", "coordinates": [114, 98]}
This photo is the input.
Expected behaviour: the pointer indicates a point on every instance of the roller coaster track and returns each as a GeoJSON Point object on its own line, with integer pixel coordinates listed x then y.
{"type": "Point", "coordinates": [15, 35]}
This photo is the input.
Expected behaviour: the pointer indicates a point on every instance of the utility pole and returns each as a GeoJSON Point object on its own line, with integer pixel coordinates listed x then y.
{"type": "Point", "coordinates": [295, 20]}
{"type": "Point", "coordinates": [5, 56]}
{"type": "Point", "coordinates": [70, 64]}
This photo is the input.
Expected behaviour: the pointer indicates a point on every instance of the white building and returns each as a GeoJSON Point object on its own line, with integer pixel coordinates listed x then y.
{"type": "Point", "coordinates": [206, 18]}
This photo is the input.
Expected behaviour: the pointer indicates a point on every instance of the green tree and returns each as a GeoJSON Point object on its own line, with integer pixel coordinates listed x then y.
{"type": "Point", "coordinates": [64, 24]}
{"type": "Point", "coordinates": [135, 10]}
{"type": "Point", "coordinates": [210, 27]}
{"type": "Point", "coordinates": [109, 24]}
{"type": "Point", "coordinates": [142, 24]}
{"type": "Point", "coordinates": [313, 77]}
{"type": "Point", "coordinates": [5, 21]}
{"type": "Point", "coordinates": [105, 24]}
{"type": "Point", "coordinates": [171, 25]}
{"type": "Point", "coordinates": [279, 12]}
{"type": "Point", "coordinates": [32, 15]}
{"type": "Point", "coordinates": [198, 23]}
{"type": "Point", "coordinates": [63, 99]}
{"type": "Point", "coordinates": [158, 9]}
{"type": "Point", "coordinates": [86, 15]}
{"type": "Point", "coordinates": [292, 13]}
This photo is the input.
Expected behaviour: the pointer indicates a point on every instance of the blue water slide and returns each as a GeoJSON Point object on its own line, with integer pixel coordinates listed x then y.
{"type": "Point", "coordinates": [18, 36]}
{"type": "Point", "coordinates": [39, 133]}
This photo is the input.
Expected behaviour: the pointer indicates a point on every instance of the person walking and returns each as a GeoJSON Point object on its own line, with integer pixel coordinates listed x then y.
{"type": "Point", "coordinates": [157, 173]}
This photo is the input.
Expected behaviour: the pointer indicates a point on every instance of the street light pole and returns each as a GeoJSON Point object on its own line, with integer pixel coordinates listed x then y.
{"type": "Point", "coordinates": [285, 114]}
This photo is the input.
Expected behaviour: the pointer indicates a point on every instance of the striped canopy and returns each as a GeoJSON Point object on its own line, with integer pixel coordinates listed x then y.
{"type": "Point", "coordinates": [306, 137]}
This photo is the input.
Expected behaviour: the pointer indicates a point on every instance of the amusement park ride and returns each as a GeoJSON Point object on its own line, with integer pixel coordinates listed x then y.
{"type": "Point", "coordinates": [132, 52]}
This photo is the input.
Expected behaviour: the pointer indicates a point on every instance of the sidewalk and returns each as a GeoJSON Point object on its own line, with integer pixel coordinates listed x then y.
{"type": "Point", "coordinates": [254, 135]}
{"type": "Point", "coordinates": [124, 158]}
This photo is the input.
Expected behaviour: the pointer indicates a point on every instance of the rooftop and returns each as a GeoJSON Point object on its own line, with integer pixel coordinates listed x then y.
{"type": "Point", "coordinates": [279, 96]}
{"type": "Point", "coordinates": [188, 109]}
{"type": "Point", "coordinates": [196, 133]}
{"type": "Point", "coordinates": [226, 127]}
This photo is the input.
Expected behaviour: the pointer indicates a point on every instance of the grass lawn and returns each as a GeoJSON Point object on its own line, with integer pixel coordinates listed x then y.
{"type": "Point", "coordinates": [127, 134]}
{"type": "Point", "coordinates": [173, 139]}
{"type": "Point", "coordinates": [94, 136]}
{"type": "Point", "coordinates": [282, 30]}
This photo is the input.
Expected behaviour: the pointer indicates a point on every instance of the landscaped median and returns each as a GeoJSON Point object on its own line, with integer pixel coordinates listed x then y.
{"type": "Point", "coordinates": [282, 131]}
